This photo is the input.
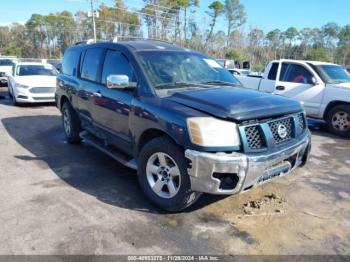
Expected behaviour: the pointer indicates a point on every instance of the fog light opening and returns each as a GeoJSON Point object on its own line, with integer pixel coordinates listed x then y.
{"type": "Point", "coordinates": [228, 181]}
{"type": "Point", "coordinates": [22, 97]}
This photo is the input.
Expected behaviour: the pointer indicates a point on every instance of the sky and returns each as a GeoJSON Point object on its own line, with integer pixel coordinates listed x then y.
{"type": "Point", "coordinates": [264, 14]}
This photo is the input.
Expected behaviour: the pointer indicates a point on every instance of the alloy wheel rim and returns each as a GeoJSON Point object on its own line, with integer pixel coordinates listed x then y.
{"type": "Point", "coordinates": [341, 121]}
{"type": "Point", "coordinates": [163, 175]}
{"type": "Point", "coordinates": [66, 122]}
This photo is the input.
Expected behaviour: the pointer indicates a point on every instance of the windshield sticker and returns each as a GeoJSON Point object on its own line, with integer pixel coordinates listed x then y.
{"type": "Point", "coordinates": [212, 63]}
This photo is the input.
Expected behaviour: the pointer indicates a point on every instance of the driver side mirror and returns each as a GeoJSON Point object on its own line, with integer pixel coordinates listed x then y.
{"type": "Point", "coordinates": [314, 81]}
{"type": "Point", "coordinates": [119, 82]}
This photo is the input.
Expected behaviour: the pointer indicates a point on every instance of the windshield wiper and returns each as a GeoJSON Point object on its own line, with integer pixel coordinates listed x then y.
{"type": "Point", "coordinates": [175, 85]}
{"type": "Point", "coordinates": [219, 82]}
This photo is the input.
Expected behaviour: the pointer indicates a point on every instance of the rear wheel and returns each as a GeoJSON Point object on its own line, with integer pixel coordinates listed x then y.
{"type": "Point", "coordinates": [71, 124]}
{"type": "Point", "coordinates": [163, 177]}
{"type": "Point", "coordinates": [338, 120]}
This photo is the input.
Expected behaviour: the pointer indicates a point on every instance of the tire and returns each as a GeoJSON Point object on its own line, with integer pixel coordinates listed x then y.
{"type": "Point", "coordinates": [158, 174]}
{"type": "Point", "coordinates": [338, 120]}
{"type": "Point", "coordinates": [71, 124]}
{"type": "Point", "coordinates": [14, 101]}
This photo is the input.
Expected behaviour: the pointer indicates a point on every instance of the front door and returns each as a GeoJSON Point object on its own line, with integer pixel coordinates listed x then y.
{"type": "Point", "coordinates": [112, 109]}
{"type": "Point", "coordinates": [296, 81]}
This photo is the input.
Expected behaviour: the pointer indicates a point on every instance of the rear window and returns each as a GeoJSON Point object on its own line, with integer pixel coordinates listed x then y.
{"type": "Point", "coordinates": [6, 62]}
{"type": "Point", "coordinates": [92, 63]}
{"type": "Point", "coordinates": [273, 72]}
{"type": "Point", "coordinates": [70, 62]}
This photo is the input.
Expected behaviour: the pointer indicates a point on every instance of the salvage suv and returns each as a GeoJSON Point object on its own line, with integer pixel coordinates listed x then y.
{"type": "Point", "coordinates": [179, 118]}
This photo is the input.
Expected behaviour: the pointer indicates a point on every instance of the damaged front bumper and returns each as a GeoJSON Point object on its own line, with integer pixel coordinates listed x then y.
{"type": "Point", "coordinates": [222, 173]}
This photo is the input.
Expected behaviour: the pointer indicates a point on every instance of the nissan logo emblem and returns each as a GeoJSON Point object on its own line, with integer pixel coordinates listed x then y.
{"type": "Point", "coordinates": [282, 131]}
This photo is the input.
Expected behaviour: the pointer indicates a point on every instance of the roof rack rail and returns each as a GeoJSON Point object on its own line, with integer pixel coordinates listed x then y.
{"type": "Point", "coordinates": [87, 42]}
{"type": "Point", "coordinates": [135, 38]}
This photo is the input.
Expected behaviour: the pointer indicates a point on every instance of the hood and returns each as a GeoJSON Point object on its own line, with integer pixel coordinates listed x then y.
{"type": "Point", "coordinates": [37, 81]}
{"type": "Point", "coordinates": [6, 69]}
{"type": "Point", "coordinates": [341, 85]}
{"type": "Point", "coordinates": [237, 103]}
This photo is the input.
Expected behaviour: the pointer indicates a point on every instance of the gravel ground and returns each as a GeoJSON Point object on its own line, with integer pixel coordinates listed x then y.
{"type": "Point", "coordinates": [71, 199]}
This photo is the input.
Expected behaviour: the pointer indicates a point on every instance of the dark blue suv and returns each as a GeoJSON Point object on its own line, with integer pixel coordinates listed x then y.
{"type": "Point", "coordinates": [179, 118]}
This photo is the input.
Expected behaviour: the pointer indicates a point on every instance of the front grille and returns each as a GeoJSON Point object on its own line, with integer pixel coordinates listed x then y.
{"type": "Point", "coordinates": [301, 121]}
{"type": "Point", "coordinates": [43, 98]}
{"type": "Point", "coordinates": [42, 90]}
{"type": "Point", "coordinates": [254, 137]}
{"type": "Point", "coordinates": [261, 135]}
{"type": "Point", "coordinates": [286, 124]}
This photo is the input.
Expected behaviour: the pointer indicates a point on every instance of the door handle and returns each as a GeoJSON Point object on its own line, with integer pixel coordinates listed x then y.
{"type": "Point", "coordinates": [97, 94]}
{"type": "Point", "coordinates": [280, 88]}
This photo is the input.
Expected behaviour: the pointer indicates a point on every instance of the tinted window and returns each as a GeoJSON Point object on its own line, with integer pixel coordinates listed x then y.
{"type": "Point", "coordinates": [6, 62]}
{"type": "Point", "coordinates": [36, 70]}
{"type": "Point", "coordinates": [295, 73]}
{"type": "Point", "coordinates": [70, 61]}
{"type": "Point", "coordinates": [116, 64]}
{"type": "Point", "coordinates": [273, 71]}
{"type": "Point", "coordinates": [93, 60]}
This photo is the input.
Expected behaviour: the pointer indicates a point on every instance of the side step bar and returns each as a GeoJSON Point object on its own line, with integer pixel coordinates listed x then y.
{"type": "Point", "coordinates": [111, 151]}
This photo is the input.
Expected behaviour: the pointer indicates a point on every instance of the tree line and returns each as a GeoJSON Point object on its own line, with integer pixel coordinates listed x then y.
{"type": "Point", "coordinates": [47, 36]}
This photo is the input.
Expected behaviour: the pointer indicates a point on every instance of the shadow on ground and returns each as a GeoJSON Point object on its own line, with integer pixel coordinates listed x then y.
{"type": "Point", "coordinates": [81, 166]}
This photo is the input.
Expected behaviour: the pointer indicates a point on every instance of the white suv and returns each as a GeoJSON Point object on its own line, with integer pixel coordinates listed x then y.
{"type": "Point", "coordinates": [32, 83]}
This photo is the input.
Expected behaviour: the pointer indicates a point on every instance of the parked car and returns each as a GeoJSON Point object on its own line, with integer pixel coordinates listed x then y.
{"type": "Point", "coordinates": [32, 83]}
{"type": "Point", "coordinates": [179, 118]}
{"type": "Point", "coordinates": [323, 88]}
{"type": "Point", "coordinates": [6, 64]}
{"type": "Point", "coordinates": [235, 67]}
{"type": "Point", "coordinates": [57, 65]}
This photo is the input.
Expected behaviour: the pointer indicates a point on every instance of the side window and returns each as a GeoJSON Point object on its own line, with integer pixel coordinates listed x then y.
{"type": "Point", "coordinates": [70, 62]}
{"type": "Point", "coordinates": [273, 72]}
{"type": "Point", "coordinates": [116, 64]}
{"type": "Point", "coordinates": [295, 74]}
{"type": "Point", "coordinates": [93, 60]}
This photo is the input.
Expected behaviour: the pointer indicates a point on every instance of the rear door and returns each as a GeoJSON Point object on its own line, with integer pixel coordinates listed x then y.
{"type": "Point", "coordinates": [296, 81]}
{"type": "Point", "coordinates": [112, 107]}
{"type": "Point", "coordinates": [90, 82]}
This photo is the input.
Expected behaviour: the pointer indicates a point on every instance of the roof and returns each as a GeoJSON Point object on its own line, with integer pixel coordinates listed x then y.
{"type": "Point", "coordinates": [32, 63]}
{"type": "Point", "coordinates": [152, 45]}
{"type": "Point", "coordinates": [304, 61]}
{"type": "Point", "coordinates": [138, 45]}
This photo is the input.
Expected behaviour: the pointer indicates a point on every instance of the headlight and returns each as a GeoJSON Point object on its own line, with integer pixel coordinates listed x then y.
{"type": "Point", "coordinates": [208, 131]}
{"type": "Point", "coordinates": [21, 86]}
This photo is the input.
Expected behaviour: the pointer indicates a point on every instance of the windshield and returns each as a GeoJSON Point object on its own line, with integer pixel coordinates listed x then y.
{"type": "Point", "coordinates": [181, 69]}
{"type": "Point", "coordinates": [6, 62]}
{"type": "Point", "coordinates": [334, 74]}
{"type": "Point", "coordinates": [34, 70]}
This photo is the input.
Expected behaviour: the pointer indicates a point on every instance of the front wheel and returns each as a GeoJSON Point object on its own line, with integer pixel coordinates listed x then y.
{"type": "Point", "coordinates": [338, 120]}
{"type": "Point", "coordinates": [14, 100]}
{"type": "Point", "coordinates": [163, 175]}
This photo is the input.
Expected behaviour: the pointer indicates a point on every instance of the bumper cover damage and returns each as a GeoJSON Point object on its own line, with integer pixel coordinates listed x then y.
{"type": "Point", "coordinates": [248, 170]}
